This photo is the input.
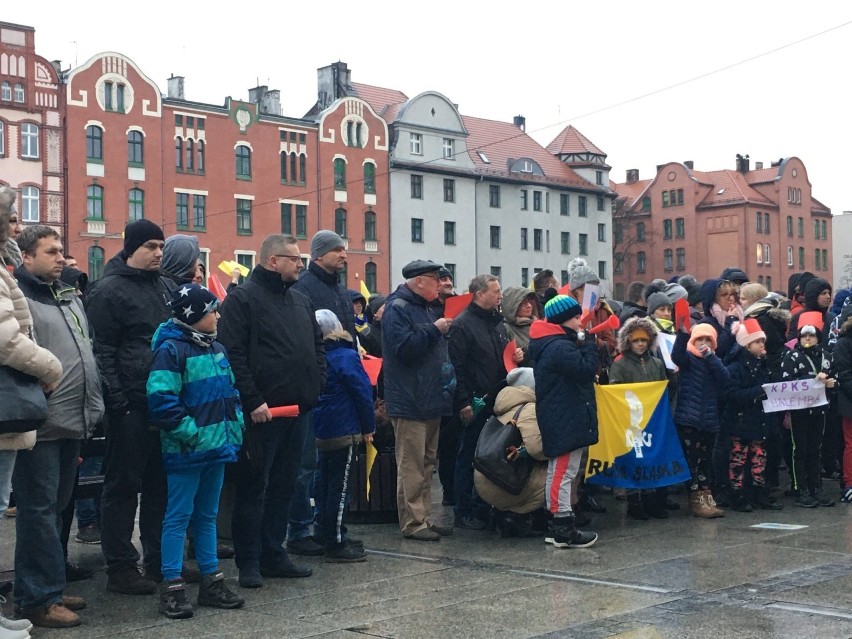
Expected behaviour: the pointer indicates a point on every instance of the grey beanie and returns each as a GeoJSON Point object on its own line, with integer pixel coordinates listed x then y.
{"type": "Point", "coordinates": [325, 241]}
{"type": "Point", "coordinates": [676, 292]}
{"type": "Point", "coordinates": [180, 255]}
{"type": "Point", "coordinates": [692, 289]}
{"type": "Point", "coordinates": [581, 276]}
{"type": "Point", "coordinates": [522, 376]}
{"type": "Point", "coordinates": [657, 300]}
{"type": "Point", "coordinates": [327, 321]}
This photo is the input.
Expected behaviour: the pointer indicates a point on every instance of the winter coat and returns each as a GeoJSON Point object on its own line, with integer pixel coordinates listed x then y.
{"type": "Point", "coordinates": [833, 330]}
{"type": "Point", "coordinates": [565, 372]}
{"type": "Point", "coordinates": [631, 368]}
{"type": "Point", "coordinates": [811, 294]}
{"type": "Point", "coordinates": [725, 340]}
{"type": "Point", "coordinates": [702, 381]}
{"type": "Point", "coordinates": [532, 496]}
{"type": "Point", "coordinates": [806, 363]}
{"type": "Point", "coordinates": [273, 342]}
{"type": "Point", "coordinates": [743, 414]}
{"type": "Point", "coordinates": [841, 364]}
{"type": "Point", "coordinates": [125, 307]}
{"type": "Point", "coordinates": [18, 350]}
{"type": "Point", "coordinates": [345, 410]}
{"type": "Point", "coordinates": [773, 321]}
{"type": "Point", "coordinates": [325, 291]}
{"type": "Point", "coordinates": [517, 329]}
{"type": "Point", "coordinates": [477, 341]}
{"type": "Point", "coordinates": [59, 323]}
{"type": "Point", "coordinates": [631, 309]}
{"type": "Point", "coordinates": [193, 401]}
{"type": "Point", "coordinates": [419, 381]}
{"type": "Point", "coordinates": [371, 340]}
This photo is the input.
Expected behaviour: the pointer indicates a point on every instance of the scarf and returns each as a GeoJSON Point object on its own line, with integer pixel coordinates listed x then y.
{"type": "Point", "coordinates": [720, 316]}
{"type": "Point", "coordinates": [204, 340]}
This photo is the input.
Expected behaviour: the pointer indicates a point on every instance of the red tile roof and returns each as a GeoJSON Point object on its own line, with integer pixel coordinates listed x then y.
{"type": "Point", "coordinates": [760, 176]}
{"type": "Point", "coordinates": [572, 141]}
{"type": "Point", "coordinates": [631, 190]}
{"type": "Point", "coordinates": [377, 97]}
{"type": "Point", "coordinates": [733, 186]}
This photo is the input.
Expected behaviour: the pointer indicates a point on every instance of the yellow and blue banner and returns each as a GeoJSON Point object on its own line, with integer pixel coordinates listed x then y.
{"type": "Point", "coordinates": [638, 446]}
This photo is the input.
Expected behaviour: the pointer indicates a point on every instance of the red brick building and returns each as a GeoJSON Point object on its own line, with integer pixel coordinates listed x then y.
{"type": "Point", "coordinates": [765, 221]}
{"type": "Point", "coordinates": [31, 134]}
{"type": "Point", "coordinates": [230, 174]}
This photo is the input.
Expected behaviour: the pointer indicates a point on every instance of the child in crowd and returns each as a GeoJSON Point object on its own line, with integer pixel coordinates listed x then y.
{"type": "Point", "coordinates": [744, 420]}
{"type": "Point", "coordinates": [192, 399]}
{"type": "Point", "coordinates": [637, 339]}
{"type": "Point", "coordinates": [343, 417]}
{"type": "Point", "coordinates": [807, 360]}
{"type": "Point", "coordinates": [842, 366]}
{"type": "Point", "coordinates": [703, 377]}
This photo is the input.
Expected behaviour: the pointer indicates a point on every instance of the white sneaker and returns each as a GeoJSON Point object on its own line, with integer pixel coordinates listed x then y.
{"type": "Point", "coordinates": [7, 633]}
{"type": "Point", "coordinates": [19, 625]}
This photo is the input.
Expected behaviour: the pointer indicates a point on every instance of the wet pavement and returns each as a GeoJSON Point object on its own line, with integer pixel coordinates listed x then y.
{"type": "Point", "coordinates": [678, 578]}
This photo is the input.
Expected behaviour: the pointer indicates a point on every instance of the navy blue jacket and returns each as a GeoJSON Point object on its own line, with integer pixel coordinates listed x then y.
{"type": "Point", "coordinates": [743, 414]}
{"type": "Point", "coordinates": [725, 340]}
{"type": "Point", "coordinates": [418, 376]}
{"type": "Point", "coordinates": [564, 388]}
{"type": "Point", "coordinates": [325, 291]}
{"type": "Point", "coordinates": [702, 380]}
{"type": "Point", "coordinates": [346, 404]}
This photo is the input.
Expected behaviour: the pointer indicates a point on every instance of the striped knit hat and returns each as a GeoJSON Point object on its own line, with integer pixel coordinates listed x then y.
{"type": "Point", "coordinates": [561, 308]}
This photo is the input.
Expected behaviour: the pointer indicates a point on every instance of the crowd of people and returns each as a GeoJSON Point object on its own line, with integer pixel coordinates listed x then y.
{"type": "Point", "coordinates": [265, 391]}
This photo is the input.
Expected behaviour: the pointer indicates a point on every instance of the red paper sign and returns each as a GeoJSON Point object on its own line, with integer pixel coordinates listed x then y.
{"type": "Point", "coordinates": [456, 304]}
{"type": "Point", "coordinates": [508, 354]}
{"type": "Point", "coordinates": [373, 366]}
{"type": "Point", "coordinates": [285, 411]}
{"type": "Point", "coordinates": [215, 287]}
{"type": "Point", "coordinates": [682, 314]}
{"type": "Point", "coordinates": [566, 289]}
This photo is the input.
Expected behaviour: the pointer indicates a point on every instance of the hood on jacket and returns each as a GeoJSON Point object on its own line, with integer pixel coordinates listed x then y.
{"type": "Point", "coordinates": [543, 328]}
{"type": "Point", "coordinates": [165, 331]}
{"type": "Point", "coordinates": [633, 324]}
{"type": "Point", "coordinates": [180, 256]}
{"type": "Point", "coordinates": [734, 274]}
{"type": "Point", "coordinates": [813, 288]}
{"type": "Point", "coordinates": [73, 277]}
{"type": "Point", "coordinates": [709, 289]}
{"type": "Point", "coordinates": [376, 302]}
{"type": "Point", "coordinates": [512, 298]}
{"type": "Point", "coordinates": [511, 397]}
{"type": "Point", "coordinates": [798, 280]}
{"type": "Point", "coordinates": [840, 298]}
{"type": "Point", "coordinates": [356, 296]}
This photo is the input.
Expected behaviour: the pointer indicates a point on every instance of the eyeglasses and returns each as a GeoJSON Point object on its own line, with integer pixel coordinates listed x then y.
{"type": "Point", "coordinates": [13, 220]}
{"type": "Point", "coordinates": [292, 258]}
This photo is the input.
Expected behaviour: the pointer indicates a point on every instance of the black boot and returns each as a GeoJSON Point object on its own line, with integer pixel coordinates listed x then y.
{"type": "Point", "coordinates": [740, 501]}
{"type": "Point", "coordinates": [215, 593]}
{"type": "Point", "coordinates": [588, 503]}
{"type": "Point", "coordinates": [566, 534]}
{"type": "Point", "coordinates": [635, 508]}
{"type": "Point", "coordinates": [173, 603]}
{"type": "Point", "coordinates": [667, 501]}
{"type": "Point", "coordinates": [515, 525]}
{"type": "Point", "coordinates": [655, 505]}
{"type": "Point", "coordinates": [765, 501]}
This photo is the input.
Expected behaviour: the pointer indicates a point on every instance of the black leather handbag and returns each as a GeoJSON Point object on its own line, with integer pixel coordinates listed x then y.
{"type": "Point", "coordinates": [490, 457]}
{"type": "Point", "coordinates": [23, 406]}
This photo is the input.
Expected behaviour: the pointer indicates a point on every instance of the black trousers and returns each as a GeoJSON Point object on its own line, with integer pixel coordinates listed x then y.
{"type": "Point", "coordinates": [806, 431]}
{"type": "Point", "coordinates": [448, 451]}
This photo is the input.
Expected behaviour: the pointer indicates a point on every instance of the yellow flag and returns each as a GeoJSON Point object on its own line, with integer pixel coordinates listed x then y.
{"type": "Point", "coordinates": [229, 266]}
{"type": "Point", "coordinates": [371, 457]}
{"type": "Point", "coordinates": [365, 291]}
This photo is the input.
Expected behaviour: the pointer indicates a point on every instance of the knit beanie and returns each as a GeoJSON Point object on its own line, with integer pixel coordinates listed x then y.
{"type": "Point", "coordinates": [676, 292]}
{"type": "Point", "coordinates": [180, 255]}
{"type": "Point", "coordinates": [749, 331]}
{"type": "Point", "coordinates": [521, 376]}
{"type": "Point", "coordinates": [328, 321]}
{"type": "Point", "coordinates": [191, 302]}
{"type": "Point", "coordinates": [657, 300]}
{"type": "Point", "coordinates": [703, 330]}
{"type": "Point", "coordinates": [734, 274]}
{"type": "Point", "coordinates": [561, 308]}
{"type": "Point", "coordinates": [693, 291]}
{"type": "Point", "coordinates": [581, 276]}
{"type": "Point", "coordinates": [138, 232]}
{"type": "Point", "coordinates": [325, 241]}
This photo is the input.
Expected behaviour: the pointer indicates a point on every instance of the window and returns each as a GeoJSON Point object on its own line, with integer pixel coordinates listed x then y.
{"type": "Point", "coordinates": [449, 149]}
{"type": "Point", "coordinates": [29, 204]}
{"type": "Point", "coordinates": [667, 260]}
{"type": "Point", "coordinates": [283, 162]}
{"type": "Point", "coordinates": [29, 141]}
{"type": "Point", "coordinates": [496, 271]}
{"type": "Point", "coordinates": [293, 163]}
{"type": "Point", "coordinates": [801, 228]}
{"type": "Point", "coordinates": [108, 96]}
{"type": "Point", "coordinates": [584, 244]}
{"type": "Point", "coordinates": [199, 156]}
{"type": "Point", "coordinates": [802, 257]}
{"type": "Point", "coordinates": [417, 187]}
{"type": "Point", "coordinates": [2, 138]}
{"type": "Point", "coordinates": [340, 221]}
{"type": "Point", "coordinates": [767, 258]}
{"type": "Point", "coordinates": [95, 202]}
{"type": "Point", "coordinates": [824, 259]}
{"type": "Point", "coordinates": [640, 262]}
{"type": "Point", "coordinates": [494, 196]}
{"type": "Point", "coordinates": [601, 232]}
{"type": "Point", "coordinates": [536, 200]}
{"type": "Point", "coordinates": [640, 232]}
{"type": "Point", "coordinates": [369, 226]}
{"type": "Point", "coordinates": [524, 241]}
{"type": "Point", "coordinates": [199, 212]}
{"type": "Point", "coordinates": [619, 266]}
{"type": "Point", "coordinates": [243, 217]}
{"type": "Point", "coordinates": [769, 282]}
{"type": "Point", "coordinates": [760, 279]}
{"type": "Point", "coordinates": [525, 277]}
{"type": "Point", "coordinates": [680, 196]}
{"type": "Point", "coordinates": [646, 203]}
{"type": "Point", "coordinates": [680, 227]}
{"type": "Point", "coordinates": [758, 217]}
{"type": "Point", "coordinates": [602, 269]}
{"type": "Point", "coordinates": [370, 276]}
{"type": "Point", "coordinates": [766, 222]}
{"type": "Point", "coordinates": [6, 91]}
{"type": "Point", "coordinates": [178, 119]}
{"type": "Point", "coordinates": [94, 143]}
{"type": "Point", "coordinates": [794, 195]}
{"type": "Point", "coordinates": [536, 239]}
{"type": "Point", "coordinates": [667, 229]}
{"type": "Point", "coordinates": [598, 177]}
{"type": "Point", "coordinates": [190, 121]}
{"type": "Point", "coordinates": [301, 221]}
{"type": "Point", "coordinates": [286, 215]}
{"type": "Point", "coordinates": [340, 174]}
{"type": "Point", "coordinates": [601, 203]}
{"type": "Point", "coordinates": [790, 225]}
{"type": "Point", "coordinates": [369, 177]}
{"type": "Point", "coordinates": [816, 229]}
{"type": "Point", "coordinates": [190, 154]}
{"type": "Point", "coordinates": [415, 143]}
{"type": "Point", "coordinates": [449, 233]}
{"type": "Point", "coordinates": [135, 148]}
{"type": "Point", "coordinates": [525, 203]}
{"type": "Point", "coordinates": [617, 232]}
{"type": "Point", "coordinates": [179, 154]}
{"type": "Point", "coordinates": [665, 199]}
{"type": "Point", "coordinates": [581, 206]}
{"type": "Point", "coordinates": [96, 263]}
{"type": "Point", "coordinates": [449, 190]}
{"type": "Point", "coordinates": [303, 164]}
{"type": "Point", "coordinates": [789, 256]}
{"type": "Point", "coordinates": [245, 259]}
{"type": "Point", "coordinates": [119, 98]}
{"type": "Point", "coordinates": [495, 237]}
{"type": "Point", "coordinates": [243, 157]}
{"type": "Point", "coordinates": [417, 229]}
{"type": "Point", "coordinates": [759, 253]}
{"type": "Point", "coordinates": [680, 255]}
{"type": "Point", "coordinates": [824, 230]}
{"type": "Point", "coordinates": [452, 269]}
{"type": "Point", "coordinates": [135, 204]}
{"type": "Point", "coordinates": [564, 204]}
{"type": "Point", "coordinates": [816, 259]}
{"type": "Point", "coordinates": [182, 210]}
{"type": "Point", "coordinates": [565, 243]}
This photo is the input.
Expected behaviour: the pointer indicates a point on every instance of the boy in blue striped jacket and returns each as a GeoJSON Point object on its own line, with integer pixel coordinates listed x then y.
{"type": "Point", "coordinates": [193, 401]}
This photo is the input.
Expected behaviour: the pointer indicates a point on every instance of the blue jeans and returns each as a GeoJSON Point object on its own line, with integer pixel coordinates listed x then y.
{"type": "Point", "coordinates": [89, 510]}
{"type": "Point", "coordinates": [302, 514]}
{"type": "Point", "coordinates": [193, 496]}
{"type": "Point", "coordinates": [334, 478]}
{"type": "Point", "coordinates": [43, 482]}
{"type": "Point", "coordinates": [7, 465]}
{"type": "Point", "coordinates": [264, 481]}
{"type": "Point", "coordinates": [467, 502]}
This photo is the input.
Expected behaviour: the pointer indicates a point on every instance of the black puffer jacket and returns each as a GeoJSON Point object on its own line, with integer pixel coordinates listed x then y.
{"type": "Point", "coordinates": [124, 308]}
{"type": "Point", "coordinates": [842, 368]}
{"type": "Point", "coordinates": [773, 321]}
{"type": "Point", "coordinates": [806, 363]}
{"type": "Point", "coordinates": [813, 288]}
{"type": "Point", "coordinates": [743, 414]}
{"type": "Point", "coordinates": [325, 291]}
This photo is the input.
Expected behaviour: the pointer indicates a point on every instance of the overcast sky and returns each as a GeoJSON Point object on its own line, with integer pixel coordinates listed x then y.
{"type": "Point", "coordinates": [587, 64]}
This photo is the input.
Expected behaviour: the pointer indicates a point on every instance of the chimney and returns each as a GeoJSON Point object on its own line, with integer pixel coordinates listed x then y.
{"type": "Point", "coordinates": [688, 164]}
{"type": "Point", "coordinates": [659, 166]}
{"type": "Point", "coordinates": [175, 87]}
{"type": "Point", "coordinates": [333, 81]}
{"type": "Point", "coordinates": [758, 166]}
{"type": "Point", "coordinates": [742, 163]}
{"type": "Point", "coordinates": [520, 122]}
{"type": "Point", "coordinates": [632, 175]}
{"type": "Point", "coordinates": [268, 102]}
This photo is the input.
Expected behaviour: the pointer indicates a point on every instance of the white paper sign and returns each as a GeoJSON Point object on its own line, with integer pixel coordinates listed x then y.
{"type": "Point", "coordinates": [793, 395]}
{"type": "Point", "coordinates": [666, 344]}
{"type": "Point", "coordinates": [591, 294]}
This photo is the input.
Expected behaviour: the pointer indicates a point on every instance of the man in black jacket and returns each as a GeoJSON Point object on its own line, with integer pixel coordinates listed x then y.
{"type": "Point", "coordinates": [125, 307]}
{"type": "Point", "coordinates": [276, 352]}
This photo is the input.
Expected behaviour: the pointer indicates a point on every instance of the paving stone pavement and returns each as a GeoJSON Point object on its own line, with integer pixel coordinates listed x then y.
{"type": "Point", "coordinates": [678, 578]}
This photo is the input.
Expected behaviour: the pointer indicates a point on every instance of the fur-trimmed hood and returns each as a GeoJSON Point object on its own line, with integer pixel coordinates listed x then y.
{"type": "Point", "coordinates": [631, 325]}
{"type": "Point", "coordinates": [770, 306]}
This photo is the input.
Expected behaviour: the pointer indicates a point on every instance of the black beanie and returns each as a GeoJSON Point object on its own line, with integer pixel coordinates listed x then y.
{"type": "Point", "coordinates": [138, 232]}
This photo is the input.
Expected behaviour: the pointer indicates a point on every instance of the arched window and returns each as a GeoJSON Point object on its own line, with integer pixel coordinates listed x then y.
{"type": "Point", "coordinates": [370, 276]}
{"type": "Point", "coordinates": [135, 148]}
{"type": "Point", "coordinates": [243, 155]}
{"type": "Point", "coordinates": [303, 161]}
{"type": "Point", "coordinates": [29, 204]}
{"type": "Point", "coordinates": [179, 153]}
{"type": "Point", "coordinates": [95, 202]}
{"type": "Point", "coordinates": [199, 156]}
{"type": "Point", "coordinates": [283, 155]}
{"type": "Point", "coordinates": [370, 227]}
{"type": "Point", "coordinates": [340, 222]}
{"type": "Point", "coordinates": [293, 164]}
{"type": "Point", "coordinates": [340, 174]}
{"type": "Point", "coordinates": [135, 204]}
{"type": "Point", "coordinates": [190, 154]}
{"type": "Point", "coordinates": [96, 263]}
{"type": "Point", "coordinates": [369, 178]}
{"type": "Point", "coordinates": [94, 143]}
{"type": "Point", "coordinates": [6, 90]}
{"type": "Point", "coordinates": [19, 92]}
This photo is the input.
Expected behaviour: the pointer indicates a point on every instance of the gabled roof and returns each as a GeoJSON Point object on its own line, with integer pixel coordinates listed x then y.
{"type": "Point", "coordinates": [729, 186]}
{"type": "Point", "coordinates": [631, 190]}
{"type": "Point", "coordinates": [761, 176]}
{"type": "Point", "coordinates": [572, 141]}
{"type": "Point", "coordinates": [378, 97]}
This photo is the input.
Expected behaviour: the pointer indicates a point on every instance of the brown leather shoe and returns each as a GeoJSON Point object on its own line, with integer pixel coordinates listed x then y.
{"type": "Point", "coordinates": [73, 603]}
{"type": "Point", "coordinates": [54, 616]}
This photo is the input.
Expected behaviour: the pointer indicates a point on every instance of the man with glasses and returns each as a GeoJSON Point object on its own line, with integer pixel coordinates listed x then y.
{"type": "Point", "coordinates": [276, 352]}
